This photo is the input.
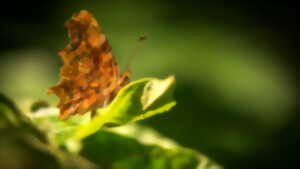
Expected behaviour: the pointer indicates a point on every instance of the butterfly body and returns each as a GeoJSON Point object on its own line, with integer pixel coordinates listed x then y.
{"type": "Point", "coordinates": [90, 75]}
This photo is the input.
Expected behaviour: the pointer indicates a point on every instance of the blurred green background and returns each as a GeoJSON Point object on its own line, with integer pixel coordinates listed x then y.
{"type": "Point", "coordinates": [235, 63]}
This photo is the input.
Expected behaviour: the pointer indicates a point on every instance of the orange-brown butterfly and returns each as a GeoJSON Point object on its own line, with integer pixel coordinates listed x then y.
{"type": "Point", "coordinates": [90, 76]}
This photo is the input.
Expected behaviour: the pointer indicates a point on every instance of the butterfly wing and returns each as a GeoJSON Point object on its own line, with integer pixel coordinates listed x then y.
{"type": "Point", "coordinates": [90, 75]}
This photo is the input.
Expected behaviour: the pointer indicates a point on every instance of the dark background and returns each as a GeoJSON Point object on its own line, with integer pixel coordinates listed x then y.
{"type": "Point", "coordinates": [236, 65]}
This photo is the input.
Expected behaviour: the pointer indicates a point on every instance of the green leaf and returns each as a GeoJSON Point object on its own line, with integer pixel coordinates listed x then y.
{"type": "Point", "coordinates": [125, 147]}
{"type": "Point", "coordinates": [58, 131]}
{"type": "Point", "coordinates": [135, 147]}
{"type": "Point", "coordinates": [172, 155]}
{"type": "Point", "coordinates": [136, 101]}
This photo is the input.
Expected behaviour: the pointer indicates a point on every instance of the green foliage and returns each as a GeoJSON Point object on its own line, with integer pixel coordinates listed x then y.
{"type": "Point", "coordinates": [122, 152]}
{"type": "Point", "coordinates": [79, 143]}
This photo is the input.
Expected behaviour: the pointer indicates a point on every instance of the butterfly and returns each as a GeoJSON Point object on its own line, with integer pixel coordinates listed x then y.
{"type": "Point", "coordinates": [90, 76]}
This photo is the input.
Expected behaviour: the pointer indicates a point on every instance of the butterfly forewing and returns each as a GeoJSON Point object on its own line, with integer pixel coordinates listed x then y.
{"type": "Point", "coordinates": [89, 77]}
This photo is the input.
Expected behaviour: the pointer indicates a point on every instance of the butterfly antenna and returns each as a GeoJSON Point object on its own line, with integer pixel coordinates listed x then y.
{"type": "Point", "coordinates": [136, 50]}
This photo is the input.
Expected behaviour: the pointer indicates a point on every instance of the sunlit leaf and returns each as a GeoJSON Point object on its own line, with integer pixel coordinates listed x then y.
{"type": "Point", "coordinates": [136, 101]}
